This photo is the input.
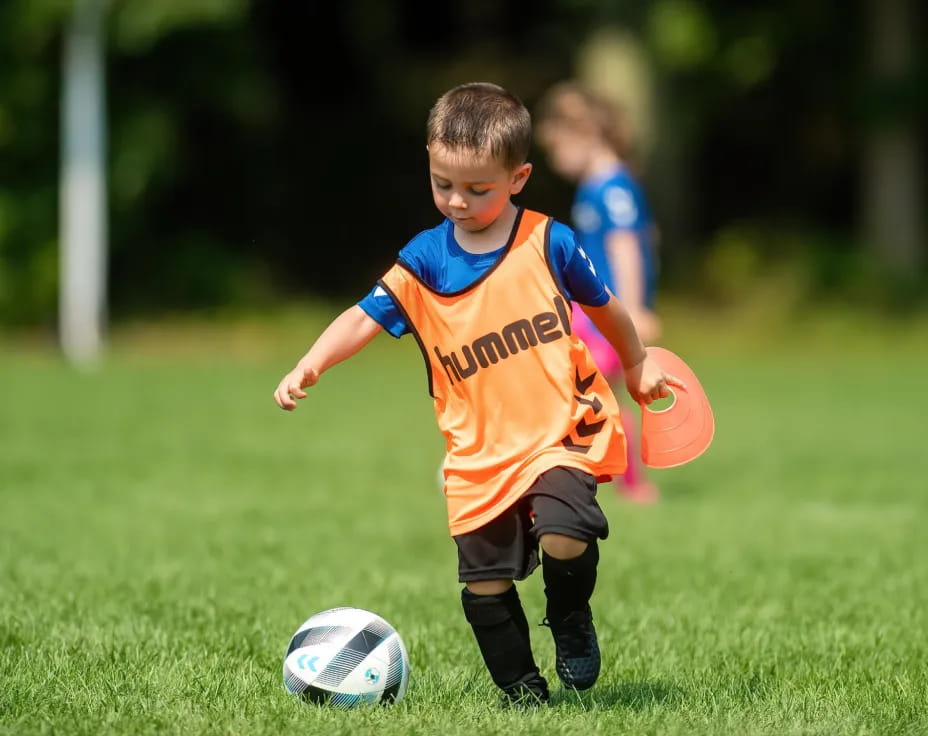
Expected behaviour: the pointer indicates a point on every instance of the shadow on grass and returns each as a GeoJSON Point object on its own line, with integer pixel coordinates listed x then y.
{"type": "Point", "coordinates": [632, 695]}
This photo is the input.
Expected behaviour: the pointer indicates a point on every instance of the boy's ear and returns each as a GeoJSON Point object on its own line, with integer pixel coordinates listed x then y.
{"type": "Point", "coordinates": [520, 177]}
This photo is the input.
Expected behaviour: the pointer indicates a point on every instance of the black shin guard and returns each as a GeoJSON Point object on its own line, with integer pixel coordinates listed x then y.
{"type": "Point", "coordinates": [569, 583]}
{"type": "Point", "coordinates": [502, 634]}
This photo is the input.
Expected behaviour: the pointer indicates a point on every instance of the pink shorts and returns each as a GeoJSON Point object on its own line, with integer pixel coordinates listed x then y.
{"type": "Point", "coordinates": [604, 355]}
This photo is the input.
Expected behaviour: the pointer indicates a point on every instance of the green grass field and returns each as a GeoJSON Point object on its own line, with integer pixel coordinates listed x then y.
{"type": "Point", "coordinates": [164, 528]}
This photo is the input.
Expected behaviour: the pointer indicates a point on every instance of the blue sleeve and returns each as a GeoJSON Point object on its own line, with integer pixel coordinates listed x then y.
{"type": "Point", "coordinates": [381, 308]}
{"type": "Point", "coordinates": [575, 269]}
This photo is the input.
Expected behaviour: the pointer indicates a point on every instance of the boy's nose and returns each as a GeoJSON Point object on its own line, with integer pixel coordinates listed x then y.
{"type": "Point", "coordinates": [457, 201]}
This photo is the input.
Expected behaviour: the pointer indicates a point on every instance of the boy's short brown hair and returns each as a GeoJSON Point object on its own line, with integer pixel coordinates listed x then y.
{"type": "Point", "coordinates": [481, 116]}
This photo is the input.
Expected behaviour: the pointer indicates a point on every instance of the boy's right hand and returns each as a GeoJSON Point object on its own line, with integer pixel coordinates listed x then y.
{"type": "Point", "coordinates": [291, 386]}
{"type": "Point", "coordinates": [647, 382]}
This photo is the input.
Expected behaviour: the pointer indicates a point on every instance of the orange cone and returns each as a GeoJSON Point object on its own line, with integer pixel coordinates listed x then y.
{"type": "Point", "coordinates": [683, 431]}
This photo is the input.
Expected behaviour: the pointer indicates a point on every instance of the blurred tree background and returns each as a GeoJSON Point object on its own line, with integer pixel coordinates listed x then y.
{"type": "Point", "coordinates": [270, 149]}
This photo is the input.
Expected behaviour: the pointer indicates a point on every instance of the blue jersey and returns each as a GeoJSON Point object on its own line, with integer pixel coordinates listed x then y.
{"type": "Point", "coordinates": [609, 202]}
{"type": "Point", "coordinates": [435, 257]}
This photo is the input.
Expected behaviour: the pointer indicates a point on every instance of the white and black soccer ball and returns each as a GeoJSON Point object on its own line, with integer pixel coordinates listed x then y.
{"type": "Point", "coordinates": [346, 657]}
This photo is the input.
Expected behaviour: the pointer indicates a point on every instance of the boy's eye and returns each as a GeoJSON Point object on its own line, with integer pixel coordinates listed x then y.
{"type": "Point", "coordinates": [444, 186]}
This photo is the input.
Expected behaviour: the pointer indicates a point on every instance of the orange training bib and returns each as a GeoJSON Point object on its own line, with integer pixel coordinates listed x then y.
{"type": "Point", "coordinates": [516, 393]}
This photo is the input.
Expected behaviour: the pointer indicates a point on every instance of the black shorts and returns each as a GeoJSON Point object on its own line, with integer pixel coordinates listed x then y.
{"type": "Point", "coordinates": [560, 501]}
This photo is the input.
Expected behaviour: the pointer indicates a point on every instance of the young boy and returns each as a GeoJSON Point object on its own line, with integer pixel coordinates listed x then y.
{"type": "Point", "coordinates": [530, 424]}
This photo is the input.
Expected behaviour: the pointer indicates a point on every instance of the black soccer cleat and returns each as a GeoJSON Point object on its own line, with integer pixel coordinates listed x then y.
{"type": "Point", "coordinates": [526, 694]}
{"type": "Point", "coordinates": [577, 658]}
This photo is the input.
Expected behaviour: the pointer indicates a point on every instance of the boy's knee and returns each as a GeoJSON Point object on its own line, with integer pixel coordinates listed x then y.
{"type": "Point", "coordinates": [562, 547]}
{"type": "Point", "coordinates": [488, 587]}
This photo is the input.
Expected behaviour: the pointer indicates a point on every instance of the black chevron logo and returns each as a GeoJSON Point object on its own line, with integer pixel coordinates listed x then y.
{"type": "Point", "coordinates": [586, 430]}
{"type": "Point", "coordinates": [574, 447]}
{"type": "Point", "coordinates": [583, 384]}
{"type": "Point", "coordinates": [596, 404]}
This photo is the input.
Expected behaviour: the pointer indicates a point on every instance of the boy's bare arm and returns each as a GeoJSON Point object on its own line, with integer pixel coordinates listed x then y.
{"type": "Point", "coordinates": [644, 379]}
{"type": "Point", "coordinates": [616, 325]}
{"type": "Point", "coordinates": [346, 335]}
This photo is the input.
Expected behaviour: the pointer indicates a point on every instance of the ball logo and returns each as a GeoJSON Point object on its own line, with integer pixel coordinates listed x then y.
{"type": "Point", "coordinates": [372, 675]}
{"type": "Point", "coordinates": [305, 662]}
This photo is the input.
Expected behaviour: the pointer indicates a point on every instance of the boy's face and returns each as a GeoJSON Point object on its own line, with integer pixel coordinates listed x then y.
{"type": "Point", "coordinates": [472, 188]}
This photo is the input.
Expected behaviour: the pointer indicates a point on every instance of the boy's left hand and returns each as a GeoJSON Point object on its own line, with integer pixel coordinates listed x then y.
{"type": "Point", "coordinates": [647, 382]}
{"type": "Point", "coordinates": [291, 386]}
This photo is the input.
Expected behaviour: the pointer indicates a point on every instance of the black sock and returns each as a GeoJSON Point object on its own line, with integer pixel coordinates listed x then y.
{"type": "Point", "coordinates": [569, 583]}
{"type": "Point", "coordinates": [502, 634]}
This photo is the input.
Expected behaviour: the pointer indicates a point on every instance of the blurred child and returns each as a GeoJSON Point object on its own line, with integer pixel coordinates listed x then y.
{"type": "Point", "coordinates": [585, 139]}
{"type": "Point", "coordinates": [529, 421]}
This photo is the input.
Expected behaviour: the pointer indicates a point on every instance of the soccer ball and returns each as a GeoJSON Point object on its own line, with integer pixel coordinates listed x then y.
{"type": "Point", "coordinates": [346, 657]}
